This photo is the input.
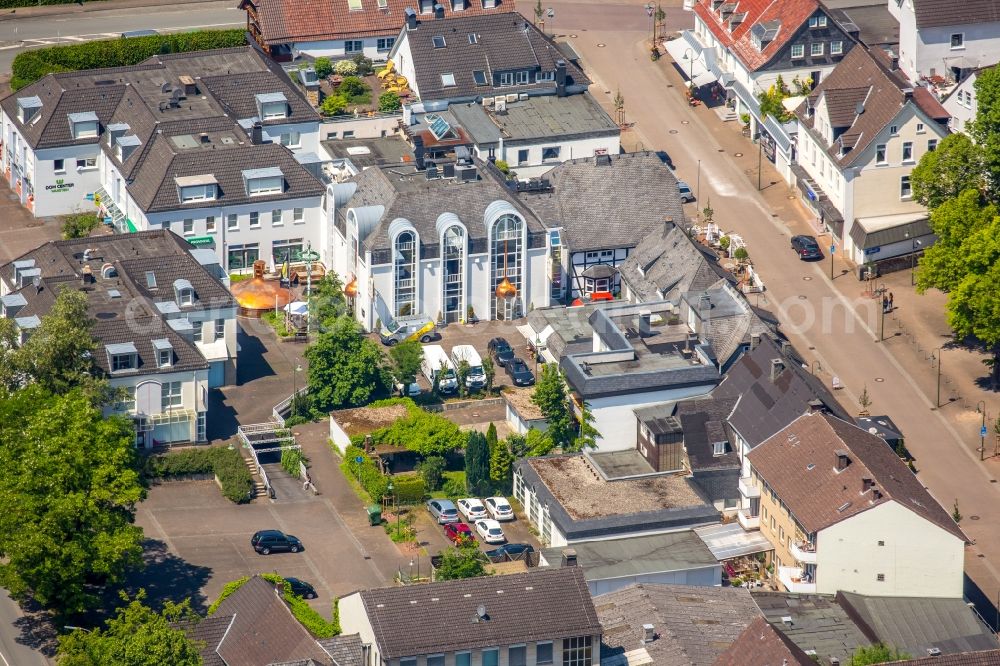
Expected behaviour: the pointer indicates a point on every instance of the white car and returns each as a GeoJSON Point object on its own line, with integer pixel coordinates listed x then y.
{"type": "Point", "coordinates": [472, 509]}
{"type": "Point", "coordinates": [490, 531]}
{"type": "Point", "coordinates": [499, 508]}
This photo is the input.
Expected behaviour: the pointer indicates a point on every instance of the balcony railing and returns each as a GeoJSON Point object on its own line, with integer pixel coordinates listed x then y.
{"type": "Point", "coordinates": [747, 488]}
{"type": "Point", "coordinates": [804, 552]}
{"type": "Point", "coordinates": [795, 580]}
{"type": "Point", "coordinates": [747, 521]}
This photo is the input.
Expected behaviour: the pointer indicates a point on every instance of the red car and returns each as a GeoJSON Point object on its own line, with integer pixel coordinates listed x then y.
{"type": "Point", "coordinates": [459, 533]}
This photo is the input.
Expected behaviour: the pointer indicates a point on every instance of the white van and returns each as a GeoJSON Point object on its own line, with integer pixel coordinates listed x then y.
{"type": "Point", "coordinates": [476, 379]}
{"type": "Point", "coordinates": [437, 361]}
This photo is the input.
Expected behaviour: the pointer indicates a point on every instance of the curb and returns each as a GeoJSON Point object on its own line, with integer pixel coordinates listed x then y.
{"type": "Point", "coordinates": [93, 6]}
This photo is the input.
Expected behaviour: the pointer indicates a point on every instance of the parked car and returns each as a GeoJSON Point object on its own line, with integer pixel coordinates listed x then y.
{"type": "Point", "coordinates": [472, 509]}
{"type": "Point", "coordinates": [413, 328]}
{"type": "Point", "coordinates": [806, 247]}
{"type": "Point", "coordinates": [301, 588]}
{"type": "Point", "coordinates": [685, 191]}
{"type": "Point", "coordinates": [665, 158]}
{"type": "Point", "coordinates": [266, 542]}
{"type": "Point", "coordinates": [138, 33]}
{"type": "Point", "coordinates": [406, 390]}
{"type": "Point", "coordinates": [499, 508]}
{"type": "Point", "coordinates": [443, 510]}
{"type": "Point", "coordinates": [512, 550]}
{"type": "Point", "coordinates": [519, 373]}
{"type": "Point", "coordinates": [501, 351]}
{"type": "Point", "coordinates": [459, 533]}
{"type": "Point", "coordinates": [490, 531]}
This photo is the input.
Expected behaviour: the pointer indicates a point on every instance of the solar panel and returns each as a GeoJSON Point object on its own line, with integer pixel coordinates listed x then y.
{"type": "Point", "coordinates": [440, 127]}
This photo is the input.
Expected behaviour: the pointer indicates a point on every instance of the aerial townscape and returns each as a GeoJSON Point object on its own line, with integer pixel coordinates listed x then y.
{"type": "Point", "coordinates": [499, 332]}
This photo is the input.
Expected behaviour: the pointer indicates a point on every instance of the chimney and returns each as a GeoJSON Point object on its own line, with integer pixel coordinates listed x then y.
{"type": "Point", "coordinates": [257, 134]}
{"type": "Point", "coordinates": [777, 367]}
{"type": "Point", "coordinates": [560, 78]}
{"type": "Point", "coordinates": [418, 152]}
{"type": "Point", "coordinates": [866, 484]}
{"type": "Point", "coordinates": [648, 633]}
{"type": "Point", "coordinates": [786, 349]}
{"type": "Point", "coordinates": [816, 405]}
{"type": "Point", "coordinates": [569, 557]}
{"type": "Point", "coordinates": [279, 587]}
{"type": "Point", "coordinates": [86, 275]}
{"type": "Point", "coordinates": [908, 93]}
{"type": "Point", "coordinates": [439, 11]}
{"type": "Point", "coordinates": [754, 341]}
{"type": "Point", "coordinates": [644, 322]}
{"type": "Point", "coordinates": [411, 18]}
{"type": "Point", "coordinates": [843, 459]}
{"type": "Point", "coordinates": [893, 62]}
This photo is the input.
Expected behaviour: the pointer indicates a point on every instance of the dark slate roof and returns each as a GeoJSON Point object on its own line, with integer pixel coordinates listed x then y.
{"type": "Point", "coordinates": [765, 407]}
{"type": "Point", "coordinates": [915, 624]}
{"type": "Point", "coordinates": [236, 94]}
{"type": "Point", "coordinates": [760, 644]}
{"type": "Point", "coordinates": [610, 202]}
{"type": "Point", "coordinates": [817, 623]}
{"type": "Point", "coordinates": [505, 42]}
{"type": "Point", "coordinates": [210, 631]}
{"type": "Point", "coordinates": [345, 649]}
{"type": "Point", "coordinates": [799, 464]}
{"type": "Point", "coordinates": [666, 518]}
{"type": "Point", "coordinates": [895, 234]}
{"type": "Point", "coordinates": [695, 625]}
{"type": "Point", "coordinates": [942, 13]}
{"type": "Point", "coordinates": [985, 658]}
{"type": "Point", "coordinates": [264, 631]}
{"type": "Point", "coordinates": [704, 423]}
{"type": "Point", "coordinates": [542, 604]}
{"type": "Point", "coordinates": [132, 315]}
{"type": "Point", "coordinates": [668, 263]}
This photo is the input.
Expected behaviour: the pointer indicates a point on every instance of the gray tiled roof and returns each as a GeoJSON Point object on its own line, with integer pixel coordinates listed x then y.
{"type": "Point", "coordinates": [541, 604]}
{"type": "Point", "coordinates": [817, 623]}
{"type": "Point", "coordinates": [236, 93]}
{"type": "Point", "coordinates": [612, 205]}
{"type": "Point", "coordinates": [210, 631]}
{"type": "Point", "coordinates": [695, 624]}
{"type": "Point", "coordinates": [345, 649]}
{"type": "Point", "coordinates": [915, 624]}
{"type": "Point", "coordinates": [668, 263]}
{"type": "Point", "coordinates": [505, 42]}
{"type": "Point", "coordinates": [637, 555]}
{"type": "Point", "coordinates": [761, 644]}
{"type": "Point", "coordinates": [942, 13]}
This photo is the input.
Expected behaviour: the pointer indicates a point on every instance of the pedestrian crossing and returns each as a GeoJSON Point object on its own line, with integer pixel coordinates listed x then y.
{"type": "Point", "coordinates": [55, 41]}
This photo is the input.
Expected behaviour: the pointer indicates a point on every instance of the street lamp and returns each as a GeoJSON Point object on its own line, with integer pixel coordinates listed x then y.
{"type": "Point", "coordinates": [939, 350]}
{"type": "Point", "coordinates": [538, 350]}
{"type": "Point", "coordinates": [689, 56]}
{"type": "Point", "coordinates": [295, 390]}
{"type": "Point", "coordinates": [981, 408]}
{"type": "Point", "coordinates": [913, 261]}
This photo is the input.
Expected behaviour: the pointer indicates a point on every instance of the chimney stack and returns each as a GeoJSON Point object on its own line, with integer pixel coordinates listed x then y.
{"type": "Point", "coordinates": [777, 367]}
{"type": "Point", "coordinates": [644, 323]}
{"type": "Point", "coordinates": [418, 152]}
{"type": "Point", "coordinates": [560, 78]}
{"type": "Point", "coordinates": [439, 11]}
{"type": "Point", "coordinates": [87, 275]}
{"type": "Point", "coordinates": [648, 633]}
{"type": "Point", "coordinates": [754, 341]}
{"type": "Point", "coordinates": [257, 134]}
{"type": "Point", "coordinates": [411, 18]}
{"type": "Point", "coordinates": [569, 557]}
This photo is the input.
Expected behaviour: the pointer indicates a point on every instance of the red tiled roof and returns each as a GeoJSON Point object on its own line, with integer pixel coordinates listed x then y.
{"type": "Point", "coordinates": [790, 13]}
{"type": "Point", "coordinates": [288, 21]}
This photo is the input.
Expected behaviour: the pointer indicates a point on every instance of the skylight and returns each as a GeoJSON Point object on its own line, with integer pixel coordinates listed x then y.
{"type": "Point", "coordinates": [448, 80]}
{"type": "Point", "coordinates": [473, 38]}
{"type": "Point", "coordinates": [150, 280]}
{"type": "Point", "coordinates": [438, 41]}
{"type": "Point", "coordinates": [480, 77]}
{"type": "Point", "coordinates": [439, 126]}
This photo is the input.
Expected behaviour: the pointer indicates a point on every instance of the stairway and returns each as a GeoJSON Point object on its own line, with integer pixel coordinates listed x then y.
{"type": "Point", "coordinates": [259, 489]}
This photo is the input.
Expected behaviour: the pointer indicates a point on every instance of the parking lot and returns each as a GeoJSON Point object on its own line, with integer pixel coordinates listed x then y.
{"type": "Point", "coordinates": [19, 230]}
{"type": "Point", "coordinates": [432, 534]}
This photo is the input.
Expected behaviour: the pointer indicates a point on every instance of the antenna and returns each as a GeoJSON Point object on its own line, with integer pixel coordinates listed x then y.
{"type": "Point", "coordinates": [859, 108]}
{"type": "Point", "coordinates": [37, 283]}
{"type": "Point", "coordinates": [481, 612]}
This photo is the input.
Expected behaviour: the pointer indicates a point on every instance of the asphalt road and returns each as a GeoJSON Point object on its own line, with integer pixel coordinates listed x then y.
{"type": "Point", "coordinates": [20, 33]}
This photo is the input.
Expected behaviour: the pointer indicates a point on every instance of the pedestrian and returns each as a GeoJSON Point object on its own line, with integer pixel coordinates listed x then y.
{"type": "Point", "coordinates": [890, 302]}
{"type": "Point", "coordinates": [885, 304]}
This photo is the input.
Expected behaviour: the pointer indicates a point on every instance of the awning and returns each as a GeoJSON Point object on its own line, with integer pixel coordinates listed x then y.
{"type": "Point", "coordinates": [201, 240]}
{"type": "Point", "coordinates": [689, 61]}
{"type": "Point", "coordinates": [130, 226]}
{"type": "Point", "coordinates": [729, 540]}
{"type": "Point", "coordinates": [872, 232]}
{"type": "Point", "coordinates": [297, 308]}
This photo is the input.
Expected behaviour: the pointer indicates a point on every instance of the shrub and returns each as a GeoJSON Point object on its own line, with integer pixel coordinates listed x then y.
{"type": "Point", "coordinates": [226, 464]}
{"type": "Point", "coordinates": [333, 105]}
{"type": "Point", "coordinates": [454, 484]}
{"type": "Point", "coordinates": [363, 64]}
{"type": "Point", "coordinates": [79, 225]}
{"type": "Point", "coordinates": [409, 488]}
{"type": "Point", "coordinates": [314, 623]}
{"type": "Point", "coordinates": [290, 460]}
{"type": "Point", "coordinates": [425, 433]}
{"type": "Point", "coordinates": [504, 169]}
{"type": "Point", "coordinates": [29, 66]}
{"type": "Point", "coordinates": [401, 530]}
{"type": "Point", "coordinates": [389, 102]}
{"type": "Point", "coordinates": [432, 470]}
{"type": "Point", "coordinates": [345, 67]}
{"type": "Point", "coordinates": [352, 86]}
{"type": "Point", "coordinates": [366, 473]}
{"type": "Point", "coordinates": [323, 67]}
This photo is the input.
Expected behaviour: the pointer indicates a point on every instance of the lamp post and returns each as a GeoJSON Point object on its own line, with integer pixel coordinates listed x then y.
{"type": "Point", "coordinates": [652, 25]}
{"type": "Point", "coordinates": [760, 151]}
{"type": "Point", "coordinates": [937, 400]}
{"type": "Point", "coordinates": [538, 350]}
{"type": "Point", "coordinates": [689, 56]}
{"type": "Point", "coordinates": [981, 408]}
{"type": "Point", "coordinates": [697, 185]}
{"type": "Point", "coordinates": [295, 389]}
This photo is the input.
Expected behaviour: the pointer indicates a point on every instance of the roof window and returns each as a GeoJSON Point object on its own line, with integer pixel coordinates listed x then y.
{"type": "Point", "coordinates": [448, 80]}
{"type": "Point", "coordinates": [164, 353]}
{"type": "Point", "coordinates": [183, 292]}
{"type": "Point", "coordinates": [438, 41]}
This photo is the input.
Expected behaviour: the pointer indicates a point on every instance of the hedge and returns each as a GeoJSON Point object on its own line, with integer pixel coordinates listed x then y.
{"type": "Point", "coordinates": [366, 472]}
{"type": "Point", "coordinates": [315, 623]}
{"type": "Point", "coordinates": [29, 66]}
{"type": "Point", "coordinates": [227, 465]}
{"type": "Point", "coordinates": [409, 488]}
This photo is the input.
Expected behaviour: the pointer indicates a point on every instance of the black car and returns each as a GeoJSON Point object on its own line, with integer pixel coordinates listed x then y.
{"type": "Point", "coordinates": [518, 372]}
{"type": "Point", "coordinates": [806, 247]}
{"type": "Point", "coordinates": [301, 588]}
{"type": "Point", "coordinates": [266, 542]}
{"type": "Point", "coordinates": [501, 351]}
{"type": "Point", "coordinates": [512, 550]}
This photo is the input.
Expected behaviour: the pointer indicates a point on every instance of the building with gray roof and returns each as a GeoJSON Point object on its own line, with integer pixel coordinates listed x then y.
{"type": "Point", "coordinates": [162, 316]}
{"type": "Point", "coordinates": [817, 624]}
{"type": "Point", "coordinates": [610, 564]}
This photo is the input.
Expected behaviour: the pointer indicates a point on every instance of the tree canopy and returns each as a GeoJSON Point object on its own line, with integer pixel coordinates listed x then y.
{"type": "Point", "coordinates": [550, 397]}
{"type": "Point", "coordinates": [477, 464]}
{"type": "Point", "coordinates": [465, 561]}
{"type": "Point", "coordinates": [136, 636]}
{"type": "Point", "coordinates": [956, 165]}
{"type": "Point", "coordinates": [406, 358]}
{"type": "Point", "coordinates": [327, 301]}
{"type": "Point", "coordinates": [986, 127]}
{"type": "Point", "coordinates": [878, 653]}
{"type": "Point", "coordinates": [70, 486]}
{"type": "Point", "coordinates": [425, 433]}
{"type": "Point", "coordinates": [345, 368]}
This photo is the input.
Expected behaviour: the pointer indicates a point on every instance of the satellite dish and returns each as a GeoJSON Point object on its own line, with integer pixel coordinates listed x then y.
{"type": "Point", "coordinates": [859, 108]}
{"type": "Point", "coordinates": [37, 283]}
{"type": "Point", "coordinates": [481, 612]}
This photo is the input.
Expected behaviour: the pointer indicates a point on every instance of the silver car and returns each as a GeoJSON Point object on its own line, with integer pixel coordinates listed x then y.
{"type": "Point", "coordinates": [443, 510]}
{"type": "Point", "coordinates": [685, 191]}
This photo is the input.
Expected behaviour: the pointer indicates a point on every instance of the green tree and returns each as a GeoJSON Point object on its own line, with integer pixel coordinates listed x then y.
{"type": "Point", "coordinates": [59, 354]}
{"type": "Point", "coordinates": [954, 222]}
{"type": "Point", "coordinates": [425, 433]}
{"type": "Point", "coordinates": [942, 174]}
{"type": "Point", "coordinates": [323, 66]}
{"type": "Point", "coordinates": [974, 310]}
{"type": "Point", "coordinates": [79, 225]}
{"type": "Point", "coordinates": [550, 396]}
{"type": "Point", "coordinates": [771, 101]}
{"type": "Point", "coordinates": [538, 443]}
{"type": "Point", "coordinates": [333, 105]}
{"type": "Point", "coordinates": [406, 358]}
{"type": "Point", "coordinates": [501, 464]}
{"type": "Point", "coordinates": [587, 434]}
{"type": "Point", "coordinates": [477, 464]}
{"type": "Point", "coordinates": [986, 127]}
{"type": "Point", "coordinates": [137, 636]}
{"type": "Point", "coordinates": [465, 561]}
{"type": "Point", "coordinates": [462, 372]}
{"type": "Point", "coordinates": [327, 301]}
{"type": "Point", "coordinates": [878, 653]}
{"type": "Point", "coordinates": [345, 368]}
{"type": "Point", "coordinates": [363, 65]}
{"type": "Point", "coordinates": [491, 434]}
{"type": "Point", "coordinates": [389, 102]}
{"type": "Point", "coordinates": [432, 471]}
{"type": "Point", "coordinates": [490, 371]}
{"type": "Point", "coordinates": [352, 86]}
{"type": "Point", "coordinates": [71, 482]}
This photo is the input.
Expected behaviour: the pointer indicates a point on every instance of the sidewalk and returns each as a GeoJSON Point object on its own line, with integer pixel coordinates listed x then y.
{"type": "Point", "coordinates": [96, 6]}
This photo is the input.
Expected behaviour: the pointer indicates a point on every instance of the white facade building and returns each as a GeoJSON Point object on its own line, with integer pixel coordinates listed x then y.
{"type": "Point", "coordinates": [962, 104]}
{"type": "Point", "coordinates": [940, 38]}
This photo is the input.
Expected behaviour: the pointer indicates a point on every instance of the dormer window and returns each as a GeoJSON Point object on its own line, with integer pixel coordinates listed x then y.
{"type": "Point", "coordinates": [125, 146]}
{"type": "Point", "coordinates": [183, 292]}
{"type": "Point", "coordinates": [84, 125]}
{"type": "Point", "coordinates": [196, 188]}
{"type": "Point", "coordinates": [122, 357]}
{"type": "Point", "coordinates": [260, 182]}
{"type": "Point", "coordinates": [28, 108]}
{"type": "Point", "coordinates": [164, 353]}
{"type": "Point", "coordinates": [272, 106]}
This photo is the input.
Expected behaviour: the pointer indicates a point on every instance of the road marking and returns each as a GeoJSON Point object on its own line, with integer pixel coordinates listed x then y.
{"type": "Point", "coordinates": [6, 663]}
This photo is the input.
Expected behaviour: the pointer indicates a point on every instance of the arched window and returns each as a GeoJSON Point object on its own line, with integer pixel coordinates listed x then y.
{"type": "Point", "coordinates": [507, 252]}
{"type": "Point", "coordinates": [404, 270]}
{"type": "Point", "coordinates": [453, 261]}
